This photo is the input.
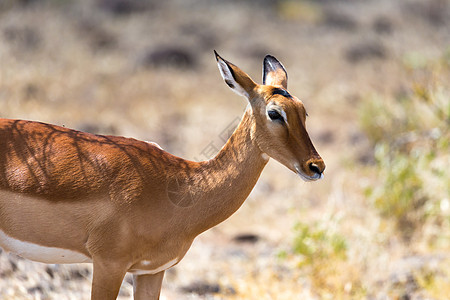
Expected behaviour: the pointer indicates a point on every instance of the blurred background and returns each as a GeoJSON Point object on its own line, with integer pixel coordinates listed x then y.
{"type": "Point", "coordinates": [374, 76]}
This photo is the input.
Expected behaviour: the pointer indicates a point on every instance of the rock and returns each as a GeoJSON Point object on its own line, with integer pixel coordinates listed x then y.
{"type": "Point", "coordinates": [38, 289]}
{"type": "Point", "coordinates": [364, 51]}
{"type": "Point", "coordinates": [79, 274]}
{"type": "Point", "coordinates": [97, 36]}
{"type": "Point", "coordinates": [382, 25]}
{"type": "Point", "coordinates": [27, 2]}
{"type": "Point", "coordinates": [435, 12]}
{"type": "Point", "coordinates": [171, 56]}
{"type": "Point", "coordinates": [249, 238]}
{"type": "Point", "coordinates": [339, 20]}
{"type": "Point", "coordinates": [201, 288]}
{"type": "Point", "coordinates": [49, 270]}
{"type": "Point", "coordinates": [124, 7]}
{"type": "Point", "coordinates": [23, 38]}
{"type": "Point", "coordinates": [14, 267]}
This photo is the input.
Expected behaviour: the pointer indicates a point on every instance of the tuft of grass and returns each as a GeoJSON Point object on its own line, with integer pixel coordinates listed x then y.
{"type": "Point", "coordinates": [401, 196]}
{"type": "Point", "coordinates": [314, 244]}
{"type": "Point", "coordinates": [320, 251]}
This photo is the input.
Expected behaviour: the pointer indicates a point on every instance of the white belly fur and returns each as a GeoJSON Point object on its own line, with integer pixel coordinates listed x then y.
{"type": "Point", "coordinates": [50, 255]}
{"type": "Point", "coordinates": [154, 271]}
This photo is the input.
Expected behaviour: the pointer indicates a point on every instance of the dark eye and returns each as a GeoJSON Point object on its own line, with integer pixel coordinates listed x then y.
{"type": "Point", "coordinates": [274, 115]}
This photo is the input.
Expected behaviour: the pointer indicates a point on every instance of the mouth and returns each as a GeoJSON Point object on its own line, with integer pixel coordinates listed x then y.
{"type": "Point", "coordinates": [305, 177]}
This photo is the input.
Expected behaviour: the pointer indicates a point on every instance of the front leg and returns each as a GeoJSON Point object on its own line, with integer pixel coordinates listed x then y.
{"type": "Point", "coordinates": [147, 287]}
{"type": "Point", "coordinates": [107, 279]}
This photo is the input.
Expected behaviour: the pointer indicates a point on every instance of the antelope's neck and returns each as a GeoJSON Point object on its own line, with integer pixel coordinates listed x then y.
{"type": "Point", "coordinates": [224, 182]}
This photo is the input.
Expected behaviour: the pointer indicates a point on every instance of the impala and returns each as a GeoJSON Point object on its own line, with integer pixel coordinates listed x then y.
{"type": "Point", "coordinates": [128, 206]}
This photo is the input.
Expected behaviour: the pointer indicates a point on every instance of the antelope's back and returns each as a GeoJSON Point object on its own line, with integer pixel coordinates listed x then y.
{"type": "Point", "coordinates": [60, 163]}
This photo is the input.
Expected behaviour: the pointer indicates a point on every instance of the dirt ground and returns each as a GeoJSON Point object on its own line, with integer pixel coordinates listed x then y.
{"type": "Point", "coordinates": [146, 69]}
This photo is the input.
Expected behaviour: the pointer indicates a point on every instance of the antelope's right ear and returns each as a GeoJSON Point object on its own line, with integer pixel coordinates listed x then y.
{"type": "Point", "coordinates": [235, 78]}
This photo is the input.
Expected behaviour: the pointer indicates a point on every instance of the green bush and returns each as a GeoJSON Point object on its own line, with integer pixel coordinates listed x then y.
{"type": "Point", "coordinates": [411, 137]}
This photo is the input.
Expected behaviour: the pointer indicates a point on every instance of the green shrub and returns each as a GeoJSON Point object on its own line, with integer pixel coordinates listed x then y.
{"type": "Point", "coordinates": [411, 137]}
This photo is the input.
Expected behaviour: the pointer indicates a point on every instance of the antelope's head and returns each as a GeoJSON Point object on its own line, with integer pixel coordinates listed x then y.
{"type": "Point", "coordinates": [279, 117]}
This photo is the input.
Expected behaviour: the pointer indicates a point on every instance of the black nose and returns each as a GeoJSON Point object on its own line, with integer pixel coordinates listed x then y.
{"type": "Point", "coordinates": [314, 168]}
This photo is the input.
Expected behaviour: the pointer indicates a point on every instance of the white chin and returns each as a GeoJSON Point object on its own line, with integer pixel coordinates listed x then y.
{"type": "Point", "coordinates": [306, 177]}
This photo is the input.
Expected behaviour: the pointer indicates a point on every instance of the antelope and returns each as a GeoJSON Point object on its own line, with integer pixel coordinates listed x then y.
{"type": "Point", "coordinates": [126, 205]}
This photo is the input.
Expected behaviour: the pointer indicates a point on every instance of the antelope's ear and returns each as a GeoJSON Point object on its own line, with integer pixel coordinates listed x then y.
{"type": "Point", "coordinates": [273, 72]}
{"type": "Point", "coordinates": [235, 78]}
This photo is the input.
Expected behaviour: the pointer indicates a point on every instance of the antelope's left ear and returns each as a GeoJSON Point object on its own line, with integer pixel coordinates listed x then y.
{"type": "Point", "coordinates": [273, 72]}
{"type": "Point", "coordinates": [235, 78]}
